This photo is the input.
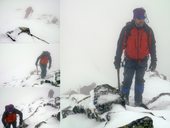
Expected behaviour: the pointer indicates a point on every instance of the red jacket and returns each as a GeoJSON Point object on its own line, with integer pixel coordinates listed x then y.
{"type": "Point", "coordinates": [137, 43]}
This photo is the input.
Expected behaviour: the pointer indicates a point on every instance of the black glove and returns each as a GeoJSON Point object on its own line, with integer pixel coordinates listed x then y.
{"type": "Point", "coordinates": [152, 66]}
{"type": "Point", "coordinates": [6, 125]}
{"type": "Point", "coordinates": [117, 63]}
{"type": "Point", "coordinates": [49, 67]}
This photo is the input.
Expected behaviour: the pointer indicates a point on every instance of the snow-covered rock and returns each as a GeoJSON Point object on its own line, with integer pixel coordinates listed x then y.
{"type": "Point", "coordinates": [159, 110]}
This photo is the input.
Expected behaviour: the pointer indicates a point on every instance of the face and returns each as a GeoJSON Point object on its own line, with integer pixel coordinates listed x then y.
{"type": "Point", "coordinates": [139, 22]}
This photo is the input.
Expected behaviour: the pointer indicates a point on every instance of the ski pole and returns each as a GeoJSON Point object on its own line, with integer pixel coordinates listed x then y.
{"type": "Point", "coordinates": [118, 78]}
{"type": "Point", "coordinates": [39, 38]}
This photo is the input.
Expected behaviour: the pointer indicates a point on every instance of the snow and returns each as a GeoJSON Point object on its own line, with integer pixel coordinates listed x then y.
{"type": "Point", "coordinates": [17, 67]}
{"type": "Point", "coordinates": [120, 116]}
{"type": "Point", "coordinates": [13, 17]}
{"type": "Point", "coordinates": [107, 98]}
{"type": "Point", "coordinates": [27, 103]}
{"type": "Point", "coordinates": [18, 58]}
{"type": "Point", "coordinates": [89, 34]}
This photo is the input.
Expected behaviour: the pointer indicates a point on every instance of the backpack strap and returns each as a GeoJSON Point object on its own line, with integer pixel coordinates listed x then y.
{"type": "Point", "coordinates": [149, 35]}
{"type": "Point", "coordinates": [128, 28]}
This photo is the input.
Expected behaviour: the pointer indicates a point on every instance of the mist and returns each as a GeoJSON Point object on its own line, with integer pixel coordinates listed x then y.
{"type": "Point", "coordinates": [89, 33]}
{"type": "Point", "coordinates": [18, 58]}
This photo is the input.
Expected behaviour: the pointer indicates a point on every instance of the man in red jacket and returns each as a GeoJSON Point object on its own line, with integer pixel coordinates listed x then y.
{"type": "Point", "coordinates": [9, 117]}
{"type": "Point", "coordinates": [137, 41]}
{"type": "Point", "coordinates": [43, 60]}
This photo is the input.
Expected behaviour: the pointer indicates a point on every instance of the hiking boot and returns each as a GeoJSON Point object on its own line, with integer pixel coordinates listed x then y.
{"type": "Point", "coordinates": [126, 99]}
{"type": "Point", "coordinates": [141, 105]}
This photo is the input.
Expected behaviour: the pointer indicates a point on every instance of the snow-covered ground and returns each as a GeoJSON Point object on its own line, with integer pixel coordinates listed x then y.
{"type": "Point", "coordinates": [17, 64]}
{"type": "Point", "coordinates": [119, 116]}
{"type": "Point", "coordinates": [18, 58]}
{"type": "Point", "coordinates": [32, 80]}
{"type": "Point", "coordinates": [28, 100]}
{"type": "Point", "coordinates": [12, 16]}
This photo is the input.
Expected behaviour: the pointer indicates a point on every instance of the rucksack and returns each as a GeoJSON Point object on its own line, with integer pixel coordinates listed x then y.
{"type": "Point", "coordinates": [44, 59]}
{"type": "Point", "coordinates": [11, 117]}
{"type": "Point", "coordinates": [137, 42]}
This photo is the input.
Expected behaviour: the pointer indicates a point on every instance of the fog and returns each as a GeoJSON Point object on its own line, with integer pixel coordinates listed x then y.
{"type": "Point", "coordinates": [17, 59]}
{"type": "Point", "coordinates": [89, 34]}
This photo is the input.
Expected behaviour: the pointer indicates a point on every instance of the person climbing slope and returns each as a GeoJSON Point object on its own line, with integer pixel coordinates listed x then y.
{"type": "Point", "coordinates": [43, 60]}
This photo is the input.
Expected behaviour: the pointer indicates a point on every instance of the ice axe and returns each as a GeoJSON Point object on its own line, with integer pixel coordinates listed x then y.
{"type": "Point", "coordinates": [39, 38]}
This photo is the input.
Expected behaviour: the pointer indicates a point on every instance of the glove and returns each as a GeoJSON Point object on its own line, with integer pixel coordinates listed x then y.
{"type": "Point", "coordinates": [117, 63]}
{"type": "Point", "coordinates": [49, 67]}
{"type": "Point", "coordinates": [152, 66]}
{"type": "Point", "coordinates": [6, 125]}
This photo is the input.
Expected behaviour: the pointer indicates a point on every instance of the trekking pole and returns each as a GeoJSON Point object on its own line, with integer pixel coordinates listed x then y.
{"type": "Point", "coordinates": [39, 38]}
{"type": "Point", "coordinates": [118, 78]}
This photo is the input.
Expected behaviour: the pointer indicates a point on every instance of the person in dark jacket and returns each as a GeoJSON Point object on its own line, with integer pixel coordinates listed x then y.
{"type": "Point", "coordinates": [43, 60]}
{"type": "Point", "coordinates": [137, 41]}
{"type": "Point", "coordinates": [9, 117]}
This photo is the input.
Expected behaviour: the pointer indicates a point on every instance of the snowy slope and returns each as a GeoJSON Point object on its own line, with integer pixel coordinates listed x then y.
{"type": "Point", "coordinates": [29, 100]}
{"type": "Point", "coordinates": [41, 113]}
{"type": "Point", "coordinates": [17, 67]}
{"type": "Point", "coordinates": [32, 80]}
{"type": "Point", "coordinates": [18, 58]}
{"type": "Point", "coordinates": [12, 16]}
{"type": "Point", "coordinates": [119, 116]}
{"type": "Point", "coordinates": [18, 61]}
